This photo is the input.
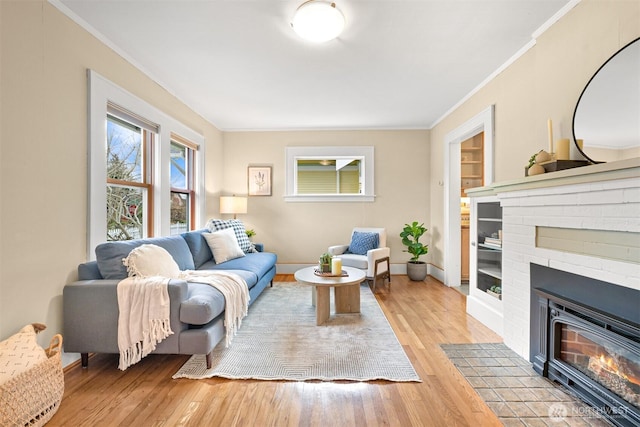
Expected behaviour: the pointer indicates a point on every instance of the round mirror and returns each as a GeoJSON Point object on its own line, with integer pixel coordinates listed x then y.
{"type": "Point", "coordinates": [607, 115]}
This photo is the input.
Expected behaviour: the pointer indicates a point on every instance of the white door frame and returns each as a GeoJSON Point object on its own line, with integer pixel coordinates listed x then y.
{"type": "Point", "coordinates": [482, 122]}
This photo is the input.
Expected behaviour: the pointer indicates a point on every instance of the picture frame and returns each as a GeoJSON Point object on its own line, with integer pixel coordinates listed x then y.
{"type": "Point", "coordinates": [259, 180]}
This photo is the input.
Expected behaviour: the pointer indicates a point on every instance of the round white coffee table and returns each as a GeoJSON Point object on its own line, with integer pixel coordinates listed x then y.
{"type": "Point", "coordinates": [346, 289]}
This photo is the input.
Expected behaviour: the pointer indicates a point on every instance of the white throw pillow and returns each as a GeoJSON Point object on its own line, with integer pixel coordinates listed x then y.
{"type": "Point", "coordinates": [19, 353]}
{"type": "Point", "coordinates": [151, 260]}
{"type": "Point", "coordinates": [224, 245]}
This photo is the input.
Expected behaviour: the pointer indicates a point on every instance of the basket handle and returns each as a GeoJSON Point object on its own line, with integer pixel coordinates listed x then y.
{"type": "Point", "coordinates": [55, 345]}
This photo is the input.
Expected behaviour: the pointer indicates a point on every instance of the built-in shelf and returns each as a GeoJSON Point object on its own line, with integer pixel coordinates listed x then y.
{"type": "Point", "coordinates": [472, 163]}
{"type": "Point", "coordinates": [489, 247]}
{"type": "Point", "coordinates": [490, 219]}
{"type": "Point", "coordinates": [494, 272]}
{"type": "Point", "coordinates": [486, 263]}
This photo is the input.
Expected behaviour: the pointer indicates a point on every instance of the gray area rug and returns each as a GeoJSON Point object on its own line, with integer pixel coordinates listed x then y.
{"type": "Point", "coordinates": [279, 340]}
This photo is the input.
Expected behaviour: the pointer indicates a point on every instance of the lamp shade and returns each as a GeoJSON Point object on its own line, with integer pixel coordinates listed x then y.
{"type": "Point", "coordinates": [233, 205]}
{"type": "Point", "coordinates": [318, 21]}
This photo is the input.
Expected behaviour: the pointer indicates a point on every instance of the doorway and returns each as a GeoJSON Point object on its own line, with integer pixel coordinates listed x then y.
{"type": "Point", "coordinates": [481, 123]}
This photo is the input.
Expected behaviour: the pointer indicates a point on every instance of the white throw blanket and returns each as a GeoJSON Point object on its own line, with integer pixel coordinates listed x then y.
{"type": "Point", "coordinates": [235, 292]}
{"type": "Point", "coordinates": [143, 320]}
{"type": "Point", "coordinates": [144, 310]}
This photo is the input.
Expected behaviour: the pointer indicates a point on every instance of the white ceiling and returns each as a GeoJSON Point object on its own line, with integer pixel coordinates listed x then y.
{"type": "Point", "coordinates": [399, 64]}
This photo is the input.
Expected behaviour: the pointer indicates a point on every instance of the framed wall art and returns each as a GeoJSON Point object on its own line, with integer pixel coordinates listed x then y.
{"type": "Point", "coordinates": [259, 179]}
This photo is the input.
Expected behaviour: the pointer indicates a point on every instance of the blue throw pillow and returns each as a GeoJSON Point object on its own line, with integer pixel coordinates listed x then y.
{"type": "Point", "coordinates": [362, 242]}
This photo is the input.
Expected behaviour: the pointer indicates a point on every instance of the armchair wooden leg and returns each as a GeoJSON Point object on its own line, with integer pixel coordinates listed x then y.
{"type": "Point", "coordinates": [84, 358]}
{"type": "Point", "coordinates": [383, 275]}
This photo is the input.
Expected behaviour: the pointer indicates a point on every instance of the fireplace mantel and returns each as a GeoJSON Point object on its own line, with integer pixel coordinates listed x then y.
{"type": "Point", "coordinates": [622, 169]}
{"type": "Point", "coordinates": [601, 199]}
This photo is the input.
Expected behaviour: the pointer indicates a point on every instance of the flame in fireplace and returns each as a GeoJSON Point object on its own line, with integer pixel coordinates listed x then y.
{"type": "Point", "coordinates": [609, 364]}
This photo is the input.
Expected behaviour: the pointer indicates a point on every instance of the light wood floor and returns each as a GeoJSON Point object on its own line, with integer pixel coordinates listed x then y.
{"type": "Point", "coordinates": [422, 314]}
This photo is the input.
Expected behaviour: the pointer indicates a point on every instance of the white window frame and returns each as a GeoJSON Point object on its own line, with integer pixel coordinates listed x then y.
{"type": "Point", "coordinates": [365, 153]}
{"type": "Point", "coordinates": [101, 92]}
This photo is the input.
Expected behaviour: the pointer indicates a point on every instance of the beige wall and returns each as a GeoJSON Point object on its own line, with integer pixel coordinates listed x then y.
{"type": "Point", "coordinates": [43, 163]}
{"type": "Point", "coordinates": [544, 83]}
{"type": "Point", "coordinates": [300, 232]}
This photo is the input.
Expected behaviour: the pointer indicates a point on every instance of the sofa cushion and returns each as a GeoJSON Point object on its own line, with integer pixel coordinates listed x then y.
{"type": "Point", "coordinates": [258, 263]}
{"type": "Point", "coordinates": [361, 242]}
{"type": "Point", "coordinates": [238, 227]}
{"type": "Point", "coordinates": [151, 260]}
{"type": "Point", "coordinates": [109, 255]}
{"type": "Point", "coordinates": [223, 245]}
{"type": "Point", "coordinates": [198, 246]}
{"type": "Point", "coordinates": [205, 302]}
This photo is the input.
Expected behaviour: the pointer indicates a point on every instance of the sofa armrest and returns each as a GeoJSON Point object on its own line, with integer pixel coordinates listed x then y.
{"type": "Point", "coordinates": [90, 314]}
{"type": "Point", "coordinates": [338, 249]}
{"type": "Point", "coordinates": [373, 255]}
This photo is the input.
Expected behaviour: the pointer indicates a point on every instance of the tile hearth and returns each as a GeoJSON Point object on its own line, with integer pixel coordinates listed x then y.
{"type": "Point", "coordinates": [514, 391]}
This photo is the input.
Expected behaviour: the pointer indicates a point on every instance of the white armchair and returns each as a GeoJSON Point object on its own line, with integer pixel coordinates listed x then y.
{"type": "Point", "coordinates": [374, 262]}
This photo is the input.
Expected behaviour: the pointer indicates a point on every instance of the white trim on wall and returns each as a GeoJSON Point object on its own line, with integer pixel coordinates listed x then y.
{"type": "Point", "coordinates": [366, 153]}
{"type": "Point", "coordinates": [101, 91]}
{"type": "Point", "coordinates": [482, 122]}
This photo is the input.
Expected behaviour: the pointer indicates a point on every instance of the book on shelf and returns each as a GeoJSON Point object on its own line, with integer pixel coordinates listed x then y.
{"type": "Point", "coordinates": [492, 241]}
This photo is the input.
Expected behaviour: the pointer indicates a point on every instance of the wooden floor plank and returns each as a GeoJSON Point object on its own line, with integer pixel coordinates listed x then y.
{"type": "Point", "coordinates": [423, 315]}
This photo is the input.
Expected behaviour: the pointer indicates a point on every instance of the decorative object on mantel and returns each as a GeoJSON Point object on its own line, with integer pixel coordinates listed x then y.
{"type": "Point", "coordinates": [559, 165]}
{"type": "Point", "coordinates": [542, 162]}
{"type": "Point", "coordinates": [534, 167]}
{"type": "Point", "coordinates": [550, 130]}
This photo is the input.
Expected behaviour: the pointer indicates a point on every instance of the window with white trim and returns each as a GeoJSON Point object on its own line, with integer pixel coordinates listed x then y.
{"type": "Point", "coordinates": [129, 178]}
{"type": "Point", "coordinates": [183, 197]}
{"type": "Point", "coordinates": [145, 169]}
{"type": "Point", "coordinates": [329, 174]}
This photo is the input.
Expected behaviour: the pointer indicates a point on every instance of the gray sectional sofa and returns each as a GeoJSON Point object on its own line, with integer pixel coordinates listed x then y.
{"type": "Point", "coordinates": [197, 310]}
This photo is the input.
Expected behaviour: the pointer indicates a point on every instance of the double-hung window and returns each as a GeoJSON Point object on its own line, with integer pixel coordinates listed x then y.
{"type": "Point", "coordinates": [146, 169]}
{"type": "Point", "coordinates": [183, 196]}
{"type": "Point", "coordinates": [330, 174]}
{"type": "Point", "coordinates": [129, 175]}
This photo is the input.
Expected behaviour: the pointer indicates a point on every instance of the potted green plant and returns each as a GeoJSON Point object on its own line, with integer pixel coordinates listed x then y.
{"type": "Point", "coordinates": [324, 263]}
{"type": "Point", "coordinates": [411, 233]}
{"type": "Point", "coordinates": [495, 291]}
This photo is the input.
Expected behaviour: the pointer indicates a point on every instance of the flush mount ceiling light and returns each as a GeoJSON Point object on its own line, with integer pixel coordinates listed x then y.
{"type": "Point", "coordinates": [318, 21]}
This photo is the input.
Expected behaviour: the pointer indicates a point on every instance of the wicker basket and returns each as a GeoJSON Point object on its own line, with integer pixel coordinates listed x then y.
{"type": "Point", "coordinates": [33, 397]}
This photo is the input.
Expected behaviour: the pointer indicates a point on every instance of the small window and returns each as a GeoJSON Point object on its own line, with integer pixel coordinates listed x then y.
{"type": "Point", "coordinates": [329, 174]}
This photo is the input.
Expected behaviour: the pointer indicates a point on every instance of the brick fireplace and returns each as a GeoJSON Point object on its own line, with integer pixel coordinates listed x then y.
{"type": "Point", "coordinates": [585, 334]}
{"type": "Point", "coordinates": [608, 202]}
{"type": "Point", "coordinates": [584, 221]}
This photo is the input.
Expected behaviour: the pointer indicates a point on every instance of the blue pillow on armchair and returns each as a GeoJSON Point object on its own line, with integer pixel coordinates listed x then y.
{"type": "Point", "coordinates": [361, 242]}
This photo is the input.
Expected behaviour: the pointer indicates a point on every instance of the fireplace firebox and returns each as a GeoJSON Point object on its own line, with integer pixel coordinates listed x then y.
{"type": "Point", "coordinates": [585, 334]}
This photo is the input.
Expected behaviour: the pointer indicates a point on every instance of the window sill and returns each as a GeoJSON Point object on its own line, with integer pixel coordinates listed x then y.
{"type": "Point", "coordinates": [329, 198]}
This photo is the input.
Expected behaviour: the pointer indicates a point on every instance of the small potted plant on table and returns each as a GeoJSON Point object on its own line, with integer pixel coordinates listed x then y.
{"type": "Point", "coordinates": [411, 233]}
{"type": "Point", "coordinates": [324, 263]}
